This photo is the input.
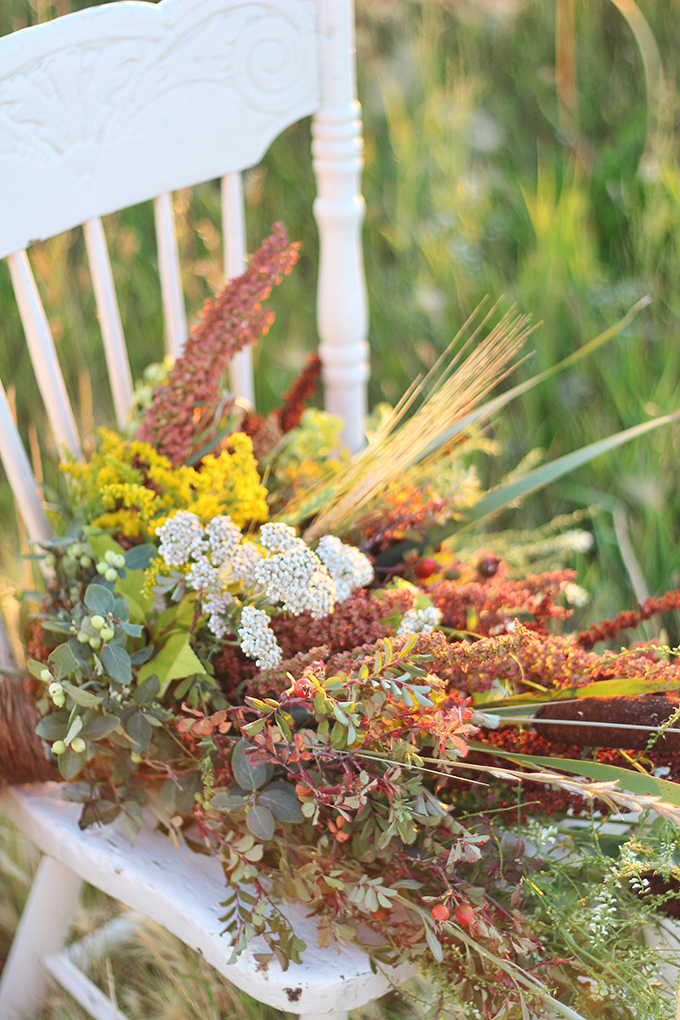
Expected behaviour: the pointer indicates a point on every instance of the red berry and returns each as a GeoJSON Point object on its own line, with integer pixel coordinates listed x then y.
{"type": "Point", "coordinates": [303, 689]}
{"type": "Point", "coordinates": [426, 568]}
{"type": "Point", "coordinates": [440, 912]}
{"type": "Point", "coordinates": [465, 914]}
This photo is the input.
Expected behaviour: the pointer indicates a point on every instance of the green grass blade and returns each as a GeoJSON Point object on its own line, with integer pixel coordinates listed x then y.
{"type": "Point", "coordinates": [499, 498]}
{"type": "Point", "coordinates": [615, 687]}
{"type": "Point", "coordinates": [633, 782]}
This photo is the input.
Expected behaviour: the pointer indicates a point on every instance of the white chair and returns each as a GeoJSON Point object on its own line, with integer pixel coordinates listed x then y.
{"type": "Point", "coordinates": [99, 110]}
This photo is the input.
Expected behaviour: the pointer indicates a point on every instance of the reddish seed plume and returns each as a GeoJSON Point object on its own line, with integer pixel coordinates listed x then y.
{"type": "Point", "coordinates": [296, 397]}
{"type": "Point", "coordinates": [231, 320]}
{"type": "Point", "coordinates": [609, 629]}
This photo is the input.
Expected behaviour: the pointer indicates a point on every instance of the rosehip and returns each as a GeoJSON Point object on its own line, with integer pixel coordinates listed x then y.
{"type": "Point", "coordinates": [440, 912]}
{"type": "Point", "coordinates": [303, 689]}
{"type": "Point", "coordinates": [465, 914]}
{"type": "Point", "coordinates": [426, 568]}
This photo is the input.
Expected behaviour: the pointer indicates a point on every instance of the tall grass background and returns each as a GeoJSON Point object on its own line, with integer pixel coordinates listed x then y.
{"type": "Point", "coordinates": [513, 147]}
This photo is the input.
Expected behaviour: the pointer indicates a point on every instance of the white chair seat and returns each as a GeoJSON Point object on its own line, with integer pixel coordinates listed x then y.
{"type": "Point", "coordinates": [182, 891]}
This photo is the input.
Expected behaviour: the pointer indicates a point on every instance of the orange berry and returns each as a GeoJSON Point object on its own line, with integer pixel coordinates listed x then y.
{"type": "Point", "coordinates": [440, 912]}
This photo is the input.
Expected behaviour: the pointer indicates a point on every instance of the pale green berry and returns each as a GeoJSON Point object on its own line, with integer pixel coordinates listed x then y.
{"type": "Point", "coordinates": [78, 745]}
{"type": "Point", "coordinates": [54, 688]}
{"type": "Point", "coordinates": [83, 637]}
{"type": "Point", "coordinates": [206, 805]}
{"type": "Point", "coordinates": [102, 567]}
{"type": "Point", "coordinates": [50, 560]}
{"type": "Point", "coordinates": [59, 700]}
{"type": "Point", "coordinates": [111, 574]}
{"type": "Point", "coordinates": [109, 556]}
{"type": "Point", "coordinates": [58, 747]}
{"type": "Point", "coordinates": [134, 757]}
{"type": "Point", "coordinates": [45, 675]}
{"type": "Point", "coordinates": [86, 561]}
{"type": "Point", "coordinates": [118, 562]}
{"type": "Point", "coordinates": [97, 621]}
{"type": "Point", "coordinates": [94, 642]}
{"type": "Point", "coordinates": [106, 633]}
{"type": "Point", "coordinates": [198, 797]}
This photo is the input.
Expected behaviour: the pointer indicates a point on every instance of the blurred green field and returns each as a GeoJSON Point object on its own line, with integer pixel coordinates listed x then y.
{"type": "Point", "coordinates": [513, 148]}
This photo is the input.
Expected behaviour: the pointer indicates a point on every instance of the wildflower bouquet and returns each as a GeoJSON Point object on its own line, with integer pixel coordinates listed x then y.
{"type": "Point", "coordinates": [283, 652]}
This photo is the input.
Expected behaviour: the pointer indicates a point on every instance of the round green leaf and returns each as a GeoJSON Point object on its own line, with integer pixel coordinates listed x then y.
{"type": "Point", "coordinates": [99, 599]}
{"type": "Point", "coordinates": [282, 801]}
{"type": "Point", "coordinates": [260, 821]}
{"type": "Point", "coordinates": [247, 775]}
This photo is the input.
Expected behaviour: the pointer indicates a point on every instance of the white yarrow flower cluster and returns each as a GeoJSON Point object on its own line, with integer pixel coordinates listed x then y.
{"type": "Point", "coordinates": [181, 537]}
{"type": "Point", "coordinates": [348, 567]}
{"type": "Point", "coordinates": [576, 595]}
{"type": "Point", "coordinates": [420, 621]}
{"type": "Point", "coordinates": [217, 557]}
{"type": "Point", "coordinates": [294, 576]}
{"type": "Point", "coordinates": [257, 639]}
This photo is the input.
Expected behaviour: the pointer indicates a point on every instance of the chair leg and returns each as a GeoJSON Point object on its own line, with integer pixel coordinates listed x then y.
{"type": "Point", "coordinates": [43, 929]}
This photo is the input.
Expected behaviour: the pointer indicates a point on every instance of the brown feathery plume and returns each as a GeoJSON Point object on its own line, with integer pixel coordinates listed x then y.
{"type": "Point", "coordinates": [295, 398]}
{"type": "Point", "coordinates": [619, 714]}
{"type": "Point", "coordinates": [609, 629]}
{"type": "Point", "coordinates": [232, 320]}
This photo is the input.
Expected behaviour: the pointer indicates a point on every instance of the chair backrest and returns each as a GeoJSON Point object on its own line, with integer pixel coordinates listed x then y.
{"type": "Point", "coordinates": [126, 102]}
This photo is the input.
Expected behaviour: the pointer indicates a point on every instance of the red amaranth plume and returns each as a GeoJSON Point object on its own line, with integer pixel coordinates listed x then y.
{"type": "Point", "coordinates": [296, 397]}
{"type": "Point", "coordinates": [609, 629]}
{"type": "Point", "coordinates": [231, 320]}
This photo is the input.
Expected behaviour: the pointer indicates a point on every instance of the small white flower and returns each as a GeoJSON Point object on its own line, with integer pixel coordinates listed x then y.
{"type": "Point", "coordinates": [257, 639]}
{"type": "Point", "coordinates": [578, 540]}
{"type": "Point", "coordinates": [296, 578]}
{"type": "Point", "coordinates": [277, 538]}
{"type": "Point", "coordinates": [420, 621]}
{"type": "Point", "coordinates": [575, 594]}
{"type": "Point", "coordinates": [348, 567]}
{"type": "Point", "coordinates": [181, 537]}
{"type": "Point", "coordinates": [202, 576]}
{"type": "Point", "coordinates": [224, 537]}
{"type": "Point", "coordinates": [243, 561]}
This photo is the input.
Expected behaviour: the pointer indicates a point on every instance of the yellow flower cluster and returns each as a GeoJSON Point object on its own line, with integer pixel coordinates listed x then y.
{"type": "Point", "coordinates": [130, 488]}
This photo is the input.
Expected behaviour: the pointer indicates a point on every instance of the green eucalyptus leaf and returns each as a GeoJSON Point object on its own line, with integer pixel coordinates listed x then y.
{"type": "Point", "coordinates": [116, 662]}
{"type": "Point", "coordinates": [99, 599]}
{"type": "Point", "coordinates": [78, 793]}
{"type": "Point", "coordinates": [53, 727]}
{"type": "Point", "coordinates": [261, 823]}
{"type": "Point", "coordinates": [99, 727]}
{"type": "Point", "coordinates": [121, 608]}
{"type": "Point", "coordinates": [147, 691]}
{"type": "Point", "coordinates": [35, 668]}
{"type": "Point", "coordinates": [140, 656]}
{"type": "Point", "coordinates": [247, 775]}
{"type": "Point", "coordinates": [74, 729]}
{"type": "Point", "coordinates": [282, 801]}
{"type": "Point", "coordinates": [131, 820]}
{"type": "Point", "coordinates": [139, 731]}
{"type": "Point", "coordinates": [62, 661]}
{"type": "Point", "coordinates": [133, 629]}
{"type": "Point", "coordinates": [70, 764]}
{"type": "Point", "coordinates": [140, 556]}
{"type": "Point", "coordinates": [80, 696]}
{"type": "Point", "coordinates": [231, 799]}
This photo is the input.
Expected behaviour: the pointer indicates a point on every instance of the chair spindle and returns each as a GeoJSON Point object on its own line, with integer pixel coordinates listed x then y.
{"type": "Point", "coordinates": [44, 355]}
{"type": "Point", "coordinates": [109, 319]}
{"type": "Point", "coordinates": [171, 279]}
{"type": "Point", "coordinates": [234, 243]}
